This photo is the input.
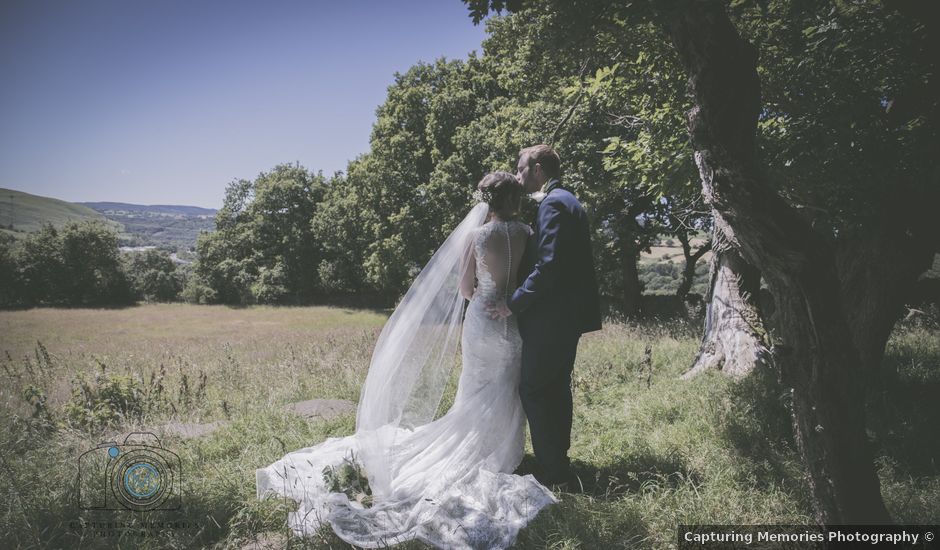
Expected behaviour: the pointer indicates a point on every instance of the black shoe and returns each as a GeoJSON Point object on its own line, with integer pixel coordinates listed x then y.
{"type": "Point", "coordinates": [565, 482]}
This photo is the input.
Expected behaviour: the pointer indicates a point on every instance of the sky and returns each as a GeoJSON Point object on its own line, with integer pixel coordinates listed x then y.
{"type": "Point", "coordinates": [167, 101]}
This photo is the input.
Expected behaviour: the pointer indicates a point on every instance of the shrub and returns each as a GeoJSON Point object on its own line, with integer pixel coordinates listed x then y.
{"type": "Point", "coordinates": [154, 276]}
{"type": "Point", "coordinates": [106, 400]}
{"type": "Point", "coordinates": [271, 286]}
{"type": "Point", "coordinates": [196, 291]}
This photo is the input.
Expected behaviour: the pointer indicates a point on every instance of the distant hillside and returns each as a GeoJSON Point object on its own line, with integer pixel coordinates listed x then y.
{"type": "Point", "coordinates": [26, 213]}
{"type": "Point", "coordinates": [171, 227]}
{"type": "Point", "coordinates": [169, 209]}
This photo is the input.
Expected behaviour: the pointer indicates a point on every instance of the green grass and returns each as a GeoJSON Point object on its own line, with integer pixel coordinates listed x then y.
{"type": "Point", "coordinates": [652, 451]}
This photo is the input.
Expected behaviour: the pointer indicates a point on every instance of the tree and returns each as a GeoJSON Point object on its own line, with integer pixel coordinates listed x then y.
{"type": "Point", "coordinates": [78, 264]}
{"type": "Point", "coordinates": [796, 180]}
{"type": "Point", "coordinates": [263, 249]}
{"type": "Point", "coordinates": [41, 267]}
{"type": "Point", "coordinates": [734, 339]}
{"type": "Point", "coordinates": [341, 228]}
{"type": "Point", "coordinates": [224, 268]}
{"type": "Point", "coordinates": [93, 270]}
{"type": "Point", "coordinates": [153, 275]}
{"type": "Point", "coordinates": [851, 107]}
{"type": "Point", "coordinates": [9, 280]}
{"type": "Point", "coordinates": [681, 229]}
{"type": "Point", "coordinates": [577, 97]}
{"type": "Point", "coordinates": [288, 252]}
{"type": "Point", "coordinates": [816, 353]}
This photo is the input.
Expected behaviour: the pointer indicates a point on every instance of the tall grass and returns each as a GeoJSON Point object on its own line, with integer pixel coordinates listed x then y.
{"type": "Point", "coordinates": [652, 451]}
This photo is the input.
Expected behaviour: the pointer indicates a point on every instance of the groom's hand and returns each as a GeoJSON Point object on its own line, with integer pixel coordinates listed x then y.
{"type": "Point", "coordinates": [498, 310]}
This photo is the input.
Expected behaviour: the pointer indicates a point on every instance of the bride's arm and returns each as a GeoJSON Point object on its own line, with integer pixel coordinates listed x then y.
{"type": "Point", "coordinates": [469, 271]}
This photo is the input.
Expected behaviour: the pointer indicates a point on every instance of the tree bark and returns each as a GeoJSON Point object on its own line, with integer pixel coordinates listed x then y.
{"type": "Point", "coordinates": [878, 272]}
{"type": "Point", "coordinates": [816, 356]}
{"type": "Point", "coordinates": [880, 267]}
{"type": "Point", "coordinates": [734, 336]}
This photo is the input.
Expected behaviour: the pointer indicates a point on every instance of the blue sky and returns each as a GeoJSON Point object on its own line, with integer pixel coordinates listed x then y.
{"type": "Point", "coordinates": [166, 101]}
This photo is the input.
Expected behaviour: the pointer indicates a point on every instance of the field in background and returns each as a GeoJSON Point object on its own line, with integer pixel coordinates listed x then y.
{"type": "Point", "coordinates": [660, 269]}
{"type": "Point", "coordinates": [652, 451]}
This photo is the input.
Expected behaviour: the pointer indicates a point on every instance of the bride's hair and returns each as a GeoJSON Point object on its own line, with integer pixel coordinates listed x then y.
{"type": "Point", "coordinates": [502, 191]}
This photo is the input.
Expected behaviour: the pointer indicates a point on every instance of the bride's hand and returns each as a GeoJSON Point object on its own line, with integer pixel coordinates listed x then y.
{"type": "Point", "coordinates": [498, 310]}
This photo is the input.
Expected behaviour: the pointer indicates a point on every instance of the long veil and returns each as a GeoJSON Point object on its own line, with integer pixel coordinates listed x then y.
{"type": "Point", "coordinates": [414, 356]}
{"type": "Point", "coordinates": [446, 481]}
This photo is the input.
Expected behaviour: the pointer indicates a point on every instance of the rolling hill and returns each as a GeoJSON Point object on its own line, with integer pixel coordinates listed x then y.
{"type": "Point", "coordinates": [169, 226]}
{"type": "Point", "coordinates": [22, 213]}
{"type": "Point", "coordinates": [163, 209]}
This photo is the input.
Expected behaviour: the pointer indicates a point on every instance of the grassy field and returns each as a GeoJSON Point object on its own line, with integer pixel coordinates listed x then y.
{"type": "Point", "coordinates": [653, 451]}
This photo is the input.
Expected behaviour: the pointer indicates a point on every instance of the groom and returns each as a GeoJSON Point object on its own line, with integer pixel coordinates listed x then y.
{"type": "Point", "coordinates": [556, 303]}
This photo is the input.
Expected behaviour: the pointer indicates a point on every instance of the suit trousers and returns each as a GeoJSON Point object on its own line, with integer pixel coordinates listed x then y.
{"type": "Point", "coordinates": [545, 390]}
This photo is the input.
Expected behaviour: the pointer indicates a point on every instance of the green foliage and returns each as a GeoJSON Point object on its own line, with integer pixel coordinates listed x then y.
{"type": "Point", "coordinates": [263, 249]}
{"type": "Point", "coordinates": [105, 400]}
{"type": "Point", "coordinates": [174, 229]}
{"type": "Point", "coordinates": [349, 478]}
{"type": "Point", "coordinates": [845, 130]}
{"type": "Point", "coordinates": [542, 77]}
{"type": "Point", "coordinates": [196, 291]}
{"type": "Point", "coordinates": [36, 398]}
{"type": "Point", "coordinates": [154, 275]}
{"type": "Point", "coordinates": [444, 125]}
{"type": "Point", "coordinates": [9, 281]}
{"type": "Point", "coordinates": [343, 231]}
{"type": "Point", "coordinates": [78, 264]}
{"type": "Point", "coordinates": [271, 285]}
{"type": "Point", "coordinates": [830, 74]}
{"type": "Point", "coordinates": [662, 277]}
{"type": "Point", "coordinates": [601, 83]}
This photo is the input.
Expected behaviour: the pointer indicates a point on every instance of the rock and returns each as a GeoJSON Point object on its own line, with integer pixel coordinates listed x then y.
{"type": "Point", "coordinates": [322, 409]}
{"type": "Point", "coordinates": [184, 430]}
{"type": "Point", "coordinates": [267, 541]}
{"type": "Point", "coordinates": [187, 430]}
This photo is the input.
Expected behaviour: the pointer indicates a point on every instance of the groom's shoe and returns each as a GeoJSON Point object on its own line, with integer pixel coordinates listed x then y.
{"type": "Point", "coordinates": [570, 485]}
{"type": "Point", "coordinates": [562, 481]}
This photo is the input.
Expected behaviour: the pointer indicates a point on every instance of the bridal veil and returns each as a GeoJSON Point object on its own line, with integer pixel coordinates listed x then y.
{"type": "Point", "coordinates": [445, 481]}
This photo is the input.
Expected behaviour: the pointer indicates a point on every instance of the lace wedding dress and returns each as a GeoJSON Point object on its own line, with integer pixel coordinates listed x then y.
{"type": "Point", "coordinates": [448, 481]}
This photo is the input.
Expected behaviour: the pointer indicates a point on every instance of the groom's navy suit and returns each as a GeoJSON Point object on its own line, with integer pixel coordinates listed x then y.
{"type": "Point", "coordinates": [555, 304]}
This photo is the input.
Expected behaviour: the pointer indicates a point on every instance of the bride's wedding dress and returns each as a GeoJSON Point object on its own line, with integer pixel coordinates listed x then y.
{"type": "Point", "coordinates": [449, 481]}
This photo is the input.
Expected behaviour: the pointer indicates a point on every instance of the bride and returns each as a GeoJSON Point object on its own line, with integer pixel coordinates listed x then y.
{"type": "Point", "coordinates": [447, 482]}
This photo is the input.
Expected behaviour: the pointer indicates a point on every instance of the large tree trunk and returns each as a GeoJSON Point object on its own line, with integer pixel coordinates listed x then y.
{"type": "Point", "coordinates": [734, 336]}
{"type": "Point", "coordinates": [878, 274]}
{"type": "Point", "coordinates": [880, 266]}
{"type": "Point", "coordinates": [816, 356]}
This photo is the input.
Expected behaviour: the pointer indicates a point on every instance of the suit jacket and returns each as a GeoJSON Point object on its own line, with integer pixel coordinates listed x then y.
{"type": "Point", "coordinates": [560, 292]}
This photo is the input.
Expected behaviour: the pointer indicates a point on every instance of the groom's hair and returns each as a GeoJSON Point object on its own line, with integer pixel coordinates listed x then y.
{"type": "Point", "coordinates": [544, 155]}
